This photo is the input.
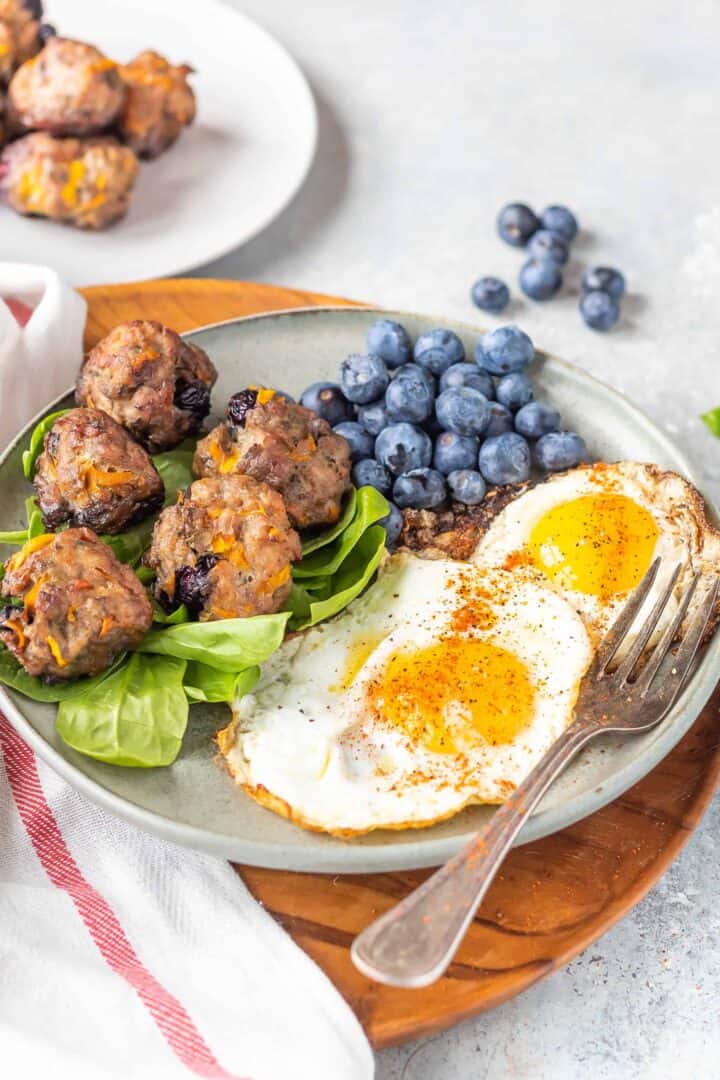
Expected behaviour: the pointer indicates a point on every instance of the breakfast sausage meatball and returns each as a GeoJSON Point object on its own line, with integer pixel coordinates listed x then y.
{"type": "Point", "coordinates": [83, 182]}
{"type": "Point", "coordinates": [69, 88]}
{"type": "Point", "coordinates": [286, 445]}
{"type": "Point", "coordinates": [159, 103]}
{"type": "Point", "coordinates": [224, 550]}
{"type": "Point", "coordinates": [19, 34]}
{"type": "Point", "coordinates": [151, 381]}
{"type": "Point", "coordinates": [92, 473]}
{"type": "Point", "coordinates": [80, 607]}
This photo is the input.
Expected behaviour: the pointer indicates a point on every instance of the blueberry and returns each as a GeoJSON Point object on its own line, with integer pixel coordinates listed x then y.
{"type": "Point", "coordinates": [500, 420]}
{"type": "Point", "coordinates": [389, 340]}
{"type": "Point", "coordinates": [540, 278]}
{"type": "Point", "coordinates": [516, 223]}
{"type": "Point", "coordinates": [371, 473]}
{"type": "Point", "coordinates": [392, 523]}
{"type": "Point", "coordinates": [363, 378]}
{"type": "Point", "coordinates": [455, 452]}
{"type": "Point", "coordinates": [422, 489]}
{"type": "Point", "coordinates": [328, 401]}
{"type": "Point", "coordinates": [560, 450]}
{"type": "Point", "coordinates": [505, 459]}
{"type": "Point", "coordinates": [490, 294]}
{"type": "Point", "coordinates": [467, 486]}
{"type": "Point", "coordinates": [548, 245]}
{"type": "Point", "coordinates": [192, 585]}
{"type": "Point", "coordinates": [606, 278]}
{"type": "Point", "coordinates": [507, 348]}
{"type": "Point", "coordinates": [415, 369]}
{"type": "Point", "coordinates": [560, 220]}
{"type": "Point", "coordinates": [599, 310]}
{"type": "Point", "coordinates": [536, 419]}
{"type": "Point", "coordinates": [515, 390]}
{"type": "Point", "coordinates": [240, 405]}
{"type": "Point", "coordinates": [192, 396]}
{"type": "Point", "coordinates": [362, 444]}
{"type": "Point", "coordinates": [373, 417]}
{"type": "Point", "coordinates": [437, 349]}
{"type": "Point", "coordinates": [402, 447]}
{"type": "Point", "coordinates": [408, 397]}
{"type": "Point", "coordinates": [463, 410]}
{"type": "Point", "coordinates": [468, 375]}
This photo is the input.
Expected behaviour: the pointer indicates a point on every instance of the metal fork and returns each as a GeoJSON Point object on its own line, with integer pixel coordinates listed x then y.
{"type": "Point", "coordinates": [413, 943]}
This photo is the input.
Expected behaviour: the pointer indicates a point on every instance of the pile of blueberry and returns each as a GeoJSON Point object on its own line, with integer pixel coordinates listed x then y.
{"type": "Point", "coordinates": [424, 423]}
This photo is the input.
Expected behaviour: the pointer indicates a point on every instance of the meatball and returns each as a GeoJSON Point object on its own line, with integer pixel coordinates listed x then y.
{"type": "Point", "coordinates": [69, 88]}
{"type": "Point", "coordinates": [151, 381]}
{"type": "Point", "coordinates": [159, 103]}
{"type": "Point", "coordinates": [224, 549]}
{"type": "Point", "coordinates": [93, 473]}
{"type": "Point", "coordinates": [81, 607]}
{"type": "Point", "coordinates": [83, 182]}
{"type": "Point", "coordinates": [19, 36]}
{"type": "Point", "coordinates": [288, 446]}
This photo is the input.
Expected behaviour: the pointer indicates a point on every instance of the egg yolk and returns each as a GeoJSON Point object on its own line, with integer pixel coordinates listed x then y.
{"type": "Point", "coordinates": [454, 694]}
{"type": "Point", "coordinates": [596, 544]}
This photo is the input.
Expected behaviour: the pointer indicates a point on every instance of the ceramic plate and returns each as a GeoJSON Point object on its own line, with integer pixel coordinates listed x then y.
{"type": "Point", "coordinates": [194, 802]}
{"type": "Point", "coordinates": [228, 175]}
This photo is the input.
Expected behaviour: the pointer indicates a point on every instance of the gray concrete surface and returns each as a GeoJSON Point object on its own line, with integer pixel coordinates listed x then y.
{"type": "Point", "coordinates": [431, 117]}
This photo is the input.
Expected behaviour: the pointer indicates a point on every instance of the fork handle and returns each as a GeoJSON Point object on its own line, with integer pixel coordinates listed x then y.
{"type": "Point", "coordinates": [413, 943]}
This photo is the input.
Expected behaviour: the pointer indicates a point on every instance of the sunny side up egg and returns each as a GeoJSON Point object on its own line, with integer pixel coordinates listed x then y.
{"type": "Point", "coordinates": [440, 687]}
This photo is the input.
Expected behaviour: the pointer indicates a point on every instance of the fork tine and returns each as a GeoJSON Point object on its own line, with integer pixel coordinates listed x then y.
{"type": "Point", "coordinates": [611, 642]}
{"type": "Point", "coordinates": [670, 687]}
{"type": "Point", "coordinates": [626, 666]}
{"type": "Point", "coordinates": [646, 676]}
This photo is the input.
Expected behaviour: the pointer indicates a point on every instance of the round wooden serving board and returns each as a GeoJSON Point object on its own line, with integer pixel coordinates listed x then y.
{"type": "Point", "coordinates": [553, 897]}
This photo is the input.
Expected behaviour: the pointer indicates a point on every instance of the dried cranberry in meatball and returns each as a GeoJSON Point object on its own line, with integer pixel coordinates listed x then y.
{"type": "Point", "coordinates": [224, 550]}
{"type": "Point", "coordinates": [151, 381]}
{"type": "Point", "coordinates": [81, 607]}
{"type": "Point", "coordinates": [19, 35]}
{"type": "Point", "coordinates": [69, 88]}
{"type": "Point", "coordinates": [287, 446]}
{"type": "Point", "coordinates": [159, 103]}
{"type": "Point", "coordinates": [93, 473]}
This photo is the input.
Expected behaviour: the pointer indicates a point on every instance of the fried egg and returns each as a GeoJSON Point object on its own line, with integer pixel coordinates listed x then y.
{"type": "Point", "coordinates": [442, 686]}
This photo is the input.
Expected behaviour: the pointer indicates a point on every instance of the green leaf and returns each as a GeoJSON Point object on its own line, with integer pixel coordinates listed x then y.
{"type": "Point", "coordinates": [178, 616]}
{"type": "Point", "coordinates": [130, 546]}
{"type": "Point", "coordinates": [35, 527]}
{"type": "Point", "coordinates": [135, 717]}
{"type": "Point", "coordinates": [326, 537]}
{"type": "Point", "coordinates": [37, 442]}
{"type": "Point", "coordinates": [354, 575]}
{"type": "Point", "coordinates": [14, 675]}
{"type": "Point", "coordinates": [17, 537]}
{"type": "Point", "coordinates": [145, 574]}
{"type": "Point", "coordinates": [712, 421]}
{"type": "Point", "coordinates": [371, 506]}
{"type": "Point", "coordinates": [203, 683]}
{"type": "Point", "coordinates": [226, 644]}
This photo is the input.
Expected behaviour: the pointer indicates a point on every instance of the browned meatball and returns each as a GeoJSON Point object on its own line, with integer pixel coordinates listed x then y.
{"type": "Point", "coordinates": [19, 37]}
{"type": "Point", "coordinates": [286, 445]}
{"type": "Point", "coordinates": [151, 381]}
{"type": "Point", "coordinates": [83, 182]}
{"type": "Point", "coordinates": [93, 473]}
{"type": "Point", "coordinates": [69, 88]}
{"type": "Point", "coordinates": [224, 549]}
{"type": "Point", "coordinates": [81, 607]}
{"type": "Point", "coordinates": [159, 103]}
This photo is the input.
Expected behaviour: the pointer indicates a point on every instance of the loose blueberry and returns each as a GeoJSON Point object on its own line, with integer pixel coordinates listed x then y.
{"type": "Point", "coordinates": [468, 375]}
{"type": "Point", "coordinates": [560, 220]}
{"type": "Point", "coordinates": [362, 444]}
{"type": "Point", "coordinates": [389, 340]}
{"type": "Point", "coordinates": [507, 348]}
{"type": "Point", "coordinates": [548, 245]}
{"type": "Point", "coordinates": [540, 278]}
{"type": "Point", "coordinates": [500, 420]}
{"type": "Point", "coordinates": [514, 390]}
{"type": "Point", "coordinates": [402, 447]}
{"type": "Point", "coordinates": [415, 369]}
{"type": "Point", "coordinates": [373, 417]}
{"type": "Point", "coordinates": [455, 452]}
{"type": "Point", "coordinates": [328, 401]}
{"type": "Point", "coordinates": [536, 419]}
{"type": "Point", "coordinates": [463, 410]}
{"type": "Point", "coordinates": [421, 489]}
{"type": "Point", "coordinates": [363, 378]}
{"type": "Point", "coordinates": [437, 349]}
{"type": "Point", "coordinates": [371, 473]}
{"type": "Point", "coordinates": [408, 398]}
{"type": "Point", "coordinates": [516, 223]}
{"type": "Point", "coordinates": [606, 278]}
{"type": "Point", "coordinates": [505, 459]}
{"type": "Point", "coordinates": [560, 450]}
{"type": "Point", "coordinates": [599, 310]}
{"type": "Point", "coordinates": [490, 294]}
{"type": "Point", "coordinates": [392, 523]}
{"type": "Point", "coordinates": [240, 405]}
{"type": "Point", "coordinates": [467, 486]}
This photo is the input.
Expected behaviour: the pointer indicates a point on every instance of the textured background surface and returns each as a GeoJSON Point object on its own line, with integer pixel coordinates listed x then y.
{"type": "Point", "coordinates": [431, 117]}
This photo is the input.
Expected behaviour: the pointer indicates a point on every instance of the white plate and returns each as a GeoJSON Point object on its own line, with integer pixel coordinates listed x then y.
{"type": "Point", "coordinates": [227, 177]}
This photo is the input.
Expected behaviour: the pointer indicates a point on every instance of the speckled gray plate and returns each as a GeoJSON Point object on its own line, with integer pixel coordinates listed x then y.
{"type": "Point", "coordinates": [194, 802]}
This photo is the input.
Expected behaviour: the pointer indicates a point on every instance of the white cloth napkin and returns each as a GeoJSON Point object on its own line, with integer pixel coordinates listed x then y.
{"type": "Point", "coordinates": [123, 956]}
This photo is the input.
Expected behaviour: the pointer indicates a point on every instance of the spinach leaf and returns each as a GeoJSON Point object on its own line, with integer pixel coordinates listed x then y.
{"type": "Point", "coordinates": [203, 683]}
{"type": "Point", "coordinates": [371, 506]}
{"type": "Point", "coordinates": [136, 717]}
{"type": "Point", "coordinates": [227, 644]}
{"type": "Point", "coordinates": [712, 421]}
{"type": "Point", "coordinates": [145, 574]}
{"type": "Point", "coordinates": [37, 442]}
{"type": "Point", "coordinates": [14, 675]}
{"type": "Point", "coordinates": [18, 537]}
{"type": "Point", "coordinates": [354, 575]}
{"type": "Point", "coordinates": [34, 528]}
{"type": "Point", "coordinates": [340, 525]}
{"type": "Point", "coordinates": [130, 546]}
{"type": "Point", "coordinates": [178, 616]}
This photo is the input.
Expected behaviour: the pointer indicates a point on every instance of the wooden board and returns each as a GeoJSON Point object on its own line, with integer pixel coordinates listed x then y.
{"type": "Point", "coordinates": [553, 897]}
